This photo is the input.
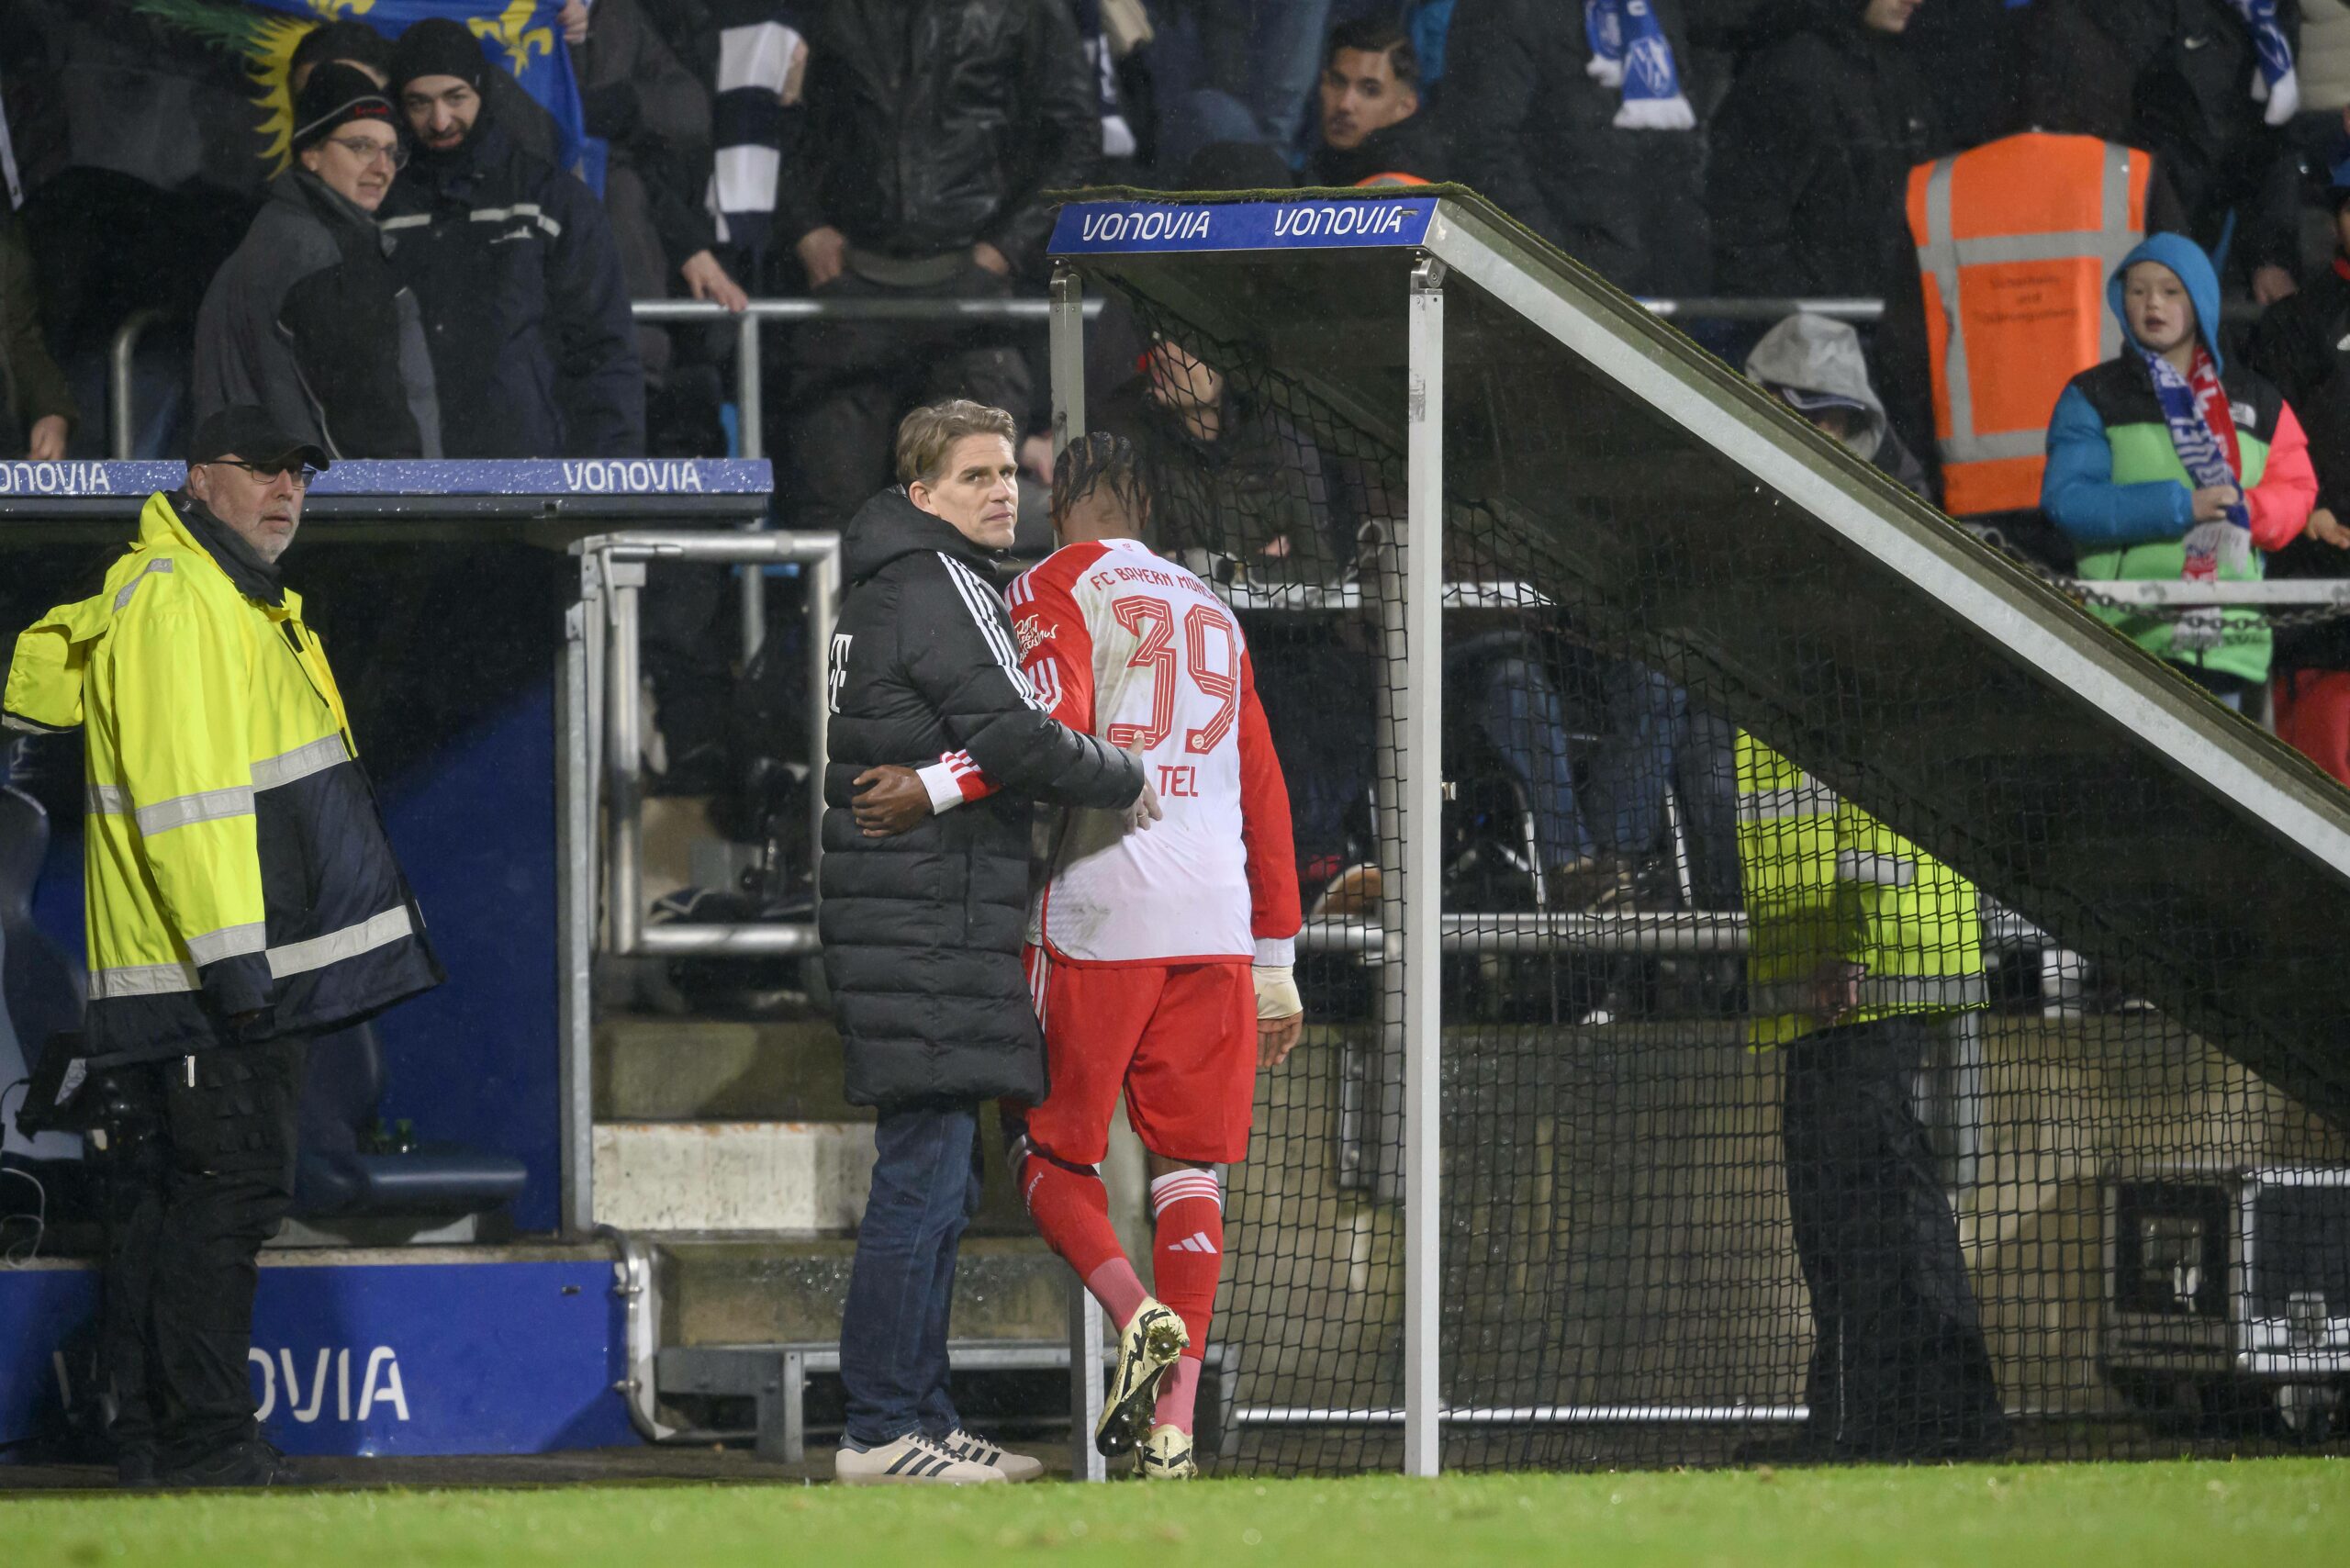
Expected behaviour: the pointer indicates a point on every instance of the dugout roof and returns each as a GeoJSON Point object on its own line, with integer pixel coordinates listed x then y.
{"type": "Point", "coordinates": [1680, 515]}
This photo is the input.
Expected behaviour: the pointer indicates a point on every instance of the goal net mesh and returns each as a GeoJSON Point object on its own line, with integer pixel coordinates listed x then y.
{"type": "Point", "coordinates": [2020, 1214]}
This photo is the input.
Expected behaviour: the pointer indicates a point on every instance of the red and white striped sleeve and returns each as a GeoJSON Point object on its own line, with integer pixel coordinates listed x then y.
{"type": "Point", "coordinates": [1273, 912]}
{"type": "Point", "coordinates": [1055, 656]}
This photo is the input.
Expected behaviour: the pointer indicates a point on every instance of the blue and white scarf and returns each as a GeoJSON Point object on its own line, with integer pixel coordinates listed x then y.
{"type": "Point", "coordinates": [2277, 84]}
{"type": "Point", "coordinates": [1629, 50]}
{"type": "Point", "coordinates": [2194, 409]}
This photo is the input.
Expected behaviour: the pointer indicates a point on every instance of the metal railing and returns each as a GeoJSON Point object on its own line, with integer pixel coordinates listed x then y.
{"type": "Point", "coordinates": [121, 410]}
{"type": "Point", "coordinates": [599, 777]}
{"type": "Point", "coordinates": [752, 322]}
{"type": "Point", "coordinates": [610, 753]}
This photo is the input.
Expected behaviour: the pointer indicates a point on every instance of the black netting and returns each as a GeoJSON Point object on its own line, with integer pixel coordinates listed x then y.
{"type": "Point", "coordinates": [2024, 1213]}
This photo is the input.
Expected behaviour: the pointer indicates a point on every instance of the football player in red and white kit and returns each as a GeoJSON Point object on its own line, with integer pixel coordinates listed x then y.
{"type": "Point", "coordinates": [1160, 951]}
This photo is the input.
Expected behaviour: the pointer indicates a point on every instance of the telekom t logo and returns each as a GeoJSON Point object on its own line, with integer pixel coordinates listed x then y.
{"type": "Point", "coordinates": [836, 676]}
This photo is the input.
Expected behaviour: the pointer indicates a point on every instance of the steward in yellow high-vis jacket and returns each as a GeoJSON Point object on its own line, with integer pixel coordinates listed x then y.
{"type": "Point", "coordinates": [240, 882]}
{"type": "Point", "coordinates": [241, 897]}
{"type": "Point", "coordinates": [1858, 944]}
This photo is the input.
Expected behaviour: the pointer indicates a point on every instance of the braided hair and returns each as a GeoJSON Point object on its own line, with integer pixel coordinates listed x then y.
{"type": "Point", "coordinates": [1099, 459]}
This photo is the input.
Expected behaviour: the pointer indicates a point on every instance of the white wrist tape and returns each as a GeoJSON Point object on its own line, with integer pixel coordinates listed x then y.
{"type": "Point", "coordinates": [1277, 991]}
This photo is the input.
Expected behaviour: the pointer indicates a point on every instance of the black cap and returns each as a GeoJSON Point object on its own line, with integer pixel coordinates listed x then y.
{"type": "Point", "coordinates": [247, 433]}
{"type": "Point", "coordinates": [437, 46]}
{"type": "Point", "coordinates": [336, 95]}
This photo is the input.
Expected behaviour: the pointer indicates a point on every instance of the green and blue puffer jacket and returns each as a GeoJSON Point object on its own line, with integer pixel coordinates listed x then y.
{"type": "Point", "coordinates": [2114, 482]}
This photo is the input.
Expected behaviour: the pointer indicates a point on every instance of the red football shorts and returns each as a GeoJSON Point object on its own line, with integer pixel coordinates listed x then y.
{"type": "Point", "coordinates": [1179, 1039]}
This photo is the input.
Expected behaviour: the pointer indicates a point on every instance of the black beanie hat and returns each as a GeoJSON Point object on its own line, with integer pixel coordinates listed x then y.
{"type": "Point", "coordinates": [438, 47]}
{"type": "Point", "coordinates": [336, 95]}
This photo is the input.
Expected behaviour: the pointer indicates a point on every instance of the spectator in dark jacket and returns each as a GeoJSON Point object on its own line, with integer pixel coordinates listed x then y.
{"type": "Point", "coordinates": [934, 128]}
{"type": "Point", "coordinates": [923, 931]}
{"type": "Point", "coordinates": [2302, 345]}
{"type": "Point", "coordinates": [1238, 487]}
{"type": "Point", "coordinates": [1532, 123]}
{"type": "Point", "coordinates": [2183, 80]}
{"type": "Point", "coordinates": [1373, 129]}
{"type": "Point", "coordinates": [36, 411]}
{"type": "Point", "coordinates": [1811, 149]}
{"type": "Point", "coordinates": [1968, 54]}
{"type": "Point", "coordinates": [655, 115]}
{"type": "Point", "coordinates": [310, 319]}
{"type": "Point", "coordinates": [514, 267]}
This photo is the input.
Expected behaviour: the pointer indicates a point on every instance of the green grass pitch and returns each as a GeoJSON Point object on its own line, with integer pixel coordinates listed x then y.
{"type": "Point", "coordinates": [2269, 1513]}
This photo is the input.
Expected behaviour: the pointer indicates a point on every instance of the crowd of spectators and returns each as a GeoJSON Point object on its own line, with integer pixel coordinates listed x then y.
{"type": "Point", "coordinates": [870, 148]}
{"type": "Point", "coordinates": [425, 279]}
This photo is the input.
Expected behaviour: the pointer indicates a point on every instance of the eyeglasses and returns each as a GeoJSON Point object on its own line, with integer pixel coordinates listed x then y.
{"type": "Point", "coordinates": [300, 473]}
{"type": "Point", "coordinates": [366, 152]}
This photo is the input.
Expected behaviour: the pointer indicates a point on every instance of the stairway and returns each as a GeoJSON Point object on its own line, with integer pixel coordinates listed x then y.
{"type": "Point", "coordinates": [727, 1149]}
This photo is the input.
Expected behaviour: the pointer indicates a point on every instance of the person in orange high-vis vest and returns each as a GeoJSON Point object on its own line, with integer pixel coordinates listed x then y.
{"type": "Point", "coordinates": [2015, 240]}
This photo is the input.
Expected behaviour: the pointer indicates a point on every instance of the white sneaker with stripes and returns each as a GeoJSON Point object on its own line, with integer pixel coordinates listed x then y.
{"type": "Point", "coordinates": [978, 1451]}
{"type": "Point", "coordinates": [912, 1460]}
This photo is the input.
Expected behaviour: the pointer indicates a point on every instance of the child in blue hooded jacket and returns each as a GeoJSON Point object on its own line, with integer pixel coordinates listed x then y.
{"type": "Point", "coordinates": [2164, 462]}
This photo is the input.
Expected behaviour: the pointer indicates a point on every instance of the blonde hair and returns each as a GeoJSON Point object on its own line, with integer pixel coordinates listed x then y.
{"type": "Point", "coordinates": [928, 434]}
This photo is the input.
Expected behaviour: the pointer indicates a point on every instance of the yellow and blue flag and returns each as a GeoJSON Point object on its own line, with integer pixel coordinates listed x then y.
{"type": "Point", "coordinates": [522, 38]}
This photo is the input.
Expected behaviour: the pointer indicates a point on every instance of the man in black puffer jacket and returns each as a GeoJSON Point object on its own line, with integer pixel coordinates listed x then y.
{"type": "Point", "coordinates": [923, 931]}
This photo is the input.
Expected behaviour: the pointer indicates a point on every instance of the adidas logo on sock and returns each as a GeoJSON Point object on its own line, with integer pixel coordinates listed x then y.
{"type": "Point", "coordinates": [1196, 1242]}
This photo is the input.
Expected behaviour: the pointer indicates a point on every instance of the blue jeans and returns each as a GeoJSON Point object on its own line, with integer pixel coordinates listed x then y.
{"type": "Point", "coordinates": [1522, 716]}
{"type": "Point", "coordinates": [1632, 765]}
{"type": "Point", "coordinates": [1235, 70]}
{"type": "Point", "coordinates": [902, 1286]}
{"type": "Point", "coordinates": [1519, 709]}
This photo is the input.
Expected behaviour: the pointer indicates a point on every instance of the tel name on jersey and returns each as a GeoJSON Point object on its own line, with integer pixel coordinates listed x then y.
{"type": "Point", "coordinates": [1125, 644]}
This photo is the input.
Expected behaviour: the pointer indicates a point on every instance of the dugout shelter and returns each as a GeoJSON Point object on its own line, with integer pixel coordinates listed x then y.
{"type": "Point", "coordinates": [1481, 1236]}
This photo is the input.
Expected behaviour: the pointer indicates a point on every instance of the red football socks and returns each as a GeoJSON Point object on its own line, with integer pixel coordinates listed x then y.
{"type": "Point", "coordinates": [1187, 1258]}
{"type": "Point", "coordinates": [1071, 1209]}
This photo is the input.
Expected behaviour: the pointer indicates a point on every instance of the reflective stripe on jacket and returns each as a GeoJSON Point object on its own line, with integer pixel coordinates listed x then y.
{"type": "Point", "coordinates": [235, 864]}
{"type": "Point", "coordinates": [2014, 242]}
{"type": "Point", "coordinates": [1826, 882]}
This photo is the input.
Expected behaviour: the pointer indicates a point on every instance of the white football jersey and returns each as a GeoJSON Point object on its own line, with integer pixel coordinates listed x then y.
{"type": "Point", "coordinates": [1126, 646]}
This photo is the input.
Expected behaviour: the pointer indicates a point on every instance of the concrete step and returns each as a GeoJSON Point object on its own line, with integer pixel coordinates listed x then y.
{"type": "Point", "coordinates": [717, 1176]}
{"type": "Point", "coordinates": [661, 1069]}
{"type": "Point", "coordinates": [806, 1176]}
{"type": "Point", "coordinates": [767, 1290]}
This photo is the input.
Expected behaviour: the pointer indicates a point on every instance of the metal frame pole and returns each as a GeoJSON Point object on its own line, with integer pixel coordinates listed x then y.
{"type": "Point", "coordinates": [122, 358]}
{"type": "Point", "coordinates": [1066, 350]}
{"type": "Point", "coordinates": [1421, 791]}
{"type": "Point", "coordinates": [624, 755]}
{"type": "Point", "coordinates": [1066, 347]}
{"type": "Point", "coordinates": [612, 577]}
{"type": "Point", "coordinates": [575, 872]}
{"type": "Point", "coordinates": [750, 414]}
